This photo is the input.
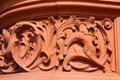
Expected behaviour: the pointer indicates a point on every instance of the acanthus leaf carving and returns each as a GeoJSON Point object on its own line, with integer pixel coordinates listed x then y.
{"type": "Point", "coordinates": [74, 43]}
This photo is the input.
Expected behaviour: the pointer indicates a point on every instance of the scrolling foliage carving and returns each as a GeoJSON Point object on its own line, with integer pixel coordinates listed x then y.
{"type": "Point", "coordinates": [73, 43]}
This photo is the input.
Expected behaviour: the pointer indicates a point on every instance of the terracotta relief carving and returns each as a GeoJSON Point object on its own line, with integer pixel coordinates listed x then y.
{"type": "Point", "coordinates": [74, 43]}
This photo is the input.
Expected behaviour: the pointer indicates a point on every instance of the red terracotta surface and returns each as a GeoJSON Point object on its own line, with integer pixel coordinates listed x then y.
{"type": "Point", "coordinates": [59, 39]}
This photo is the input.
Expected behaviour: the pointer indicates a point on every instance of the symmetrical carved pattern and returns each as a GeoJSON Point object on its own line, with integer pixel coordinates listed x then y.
{"type": "Point", "coordinates": [74, 43]}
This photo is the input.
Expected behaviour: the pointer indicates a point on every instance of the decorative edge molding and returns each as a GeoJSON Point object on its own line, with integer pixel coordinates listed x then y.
{"type": "Point", "coordinates": [36, 9]}
{"type": "Point", "coordinates": [117, 43]}
{"type": "Point", "coordinates": [60, 76]}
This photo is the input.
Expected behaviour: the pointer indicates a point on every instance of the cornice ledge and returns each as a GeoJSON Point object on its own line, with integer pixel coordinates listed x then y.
{"type": "Point", "coordinates": [39, 8]}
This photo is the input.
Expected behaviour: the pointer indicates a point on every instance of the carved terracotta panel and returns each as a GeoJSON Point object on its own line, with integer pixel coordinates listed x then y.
{"type": "Point", "coordinates": [59, 39]}
{"type": "Point", "coordinates": [68, 43]}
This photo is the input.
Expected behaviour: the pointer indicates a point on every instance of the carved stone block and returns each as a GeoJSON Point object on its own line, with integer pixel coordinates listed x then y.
{"type": "Point", "coordinates": [65, 44]}
{"type": "Point", "coordinates": [60, 39]}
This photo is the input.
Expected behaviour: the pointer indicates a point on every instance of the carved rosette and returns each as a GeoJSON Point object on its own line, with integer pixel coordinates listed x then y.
{"type": "Point", "coordinates": [75, 43]}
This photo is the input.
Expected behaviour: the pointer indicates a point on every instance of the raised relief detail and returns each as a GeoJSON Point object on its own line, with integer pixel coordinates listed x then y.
{"type": "Point", "coordinates": [66, 44]}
